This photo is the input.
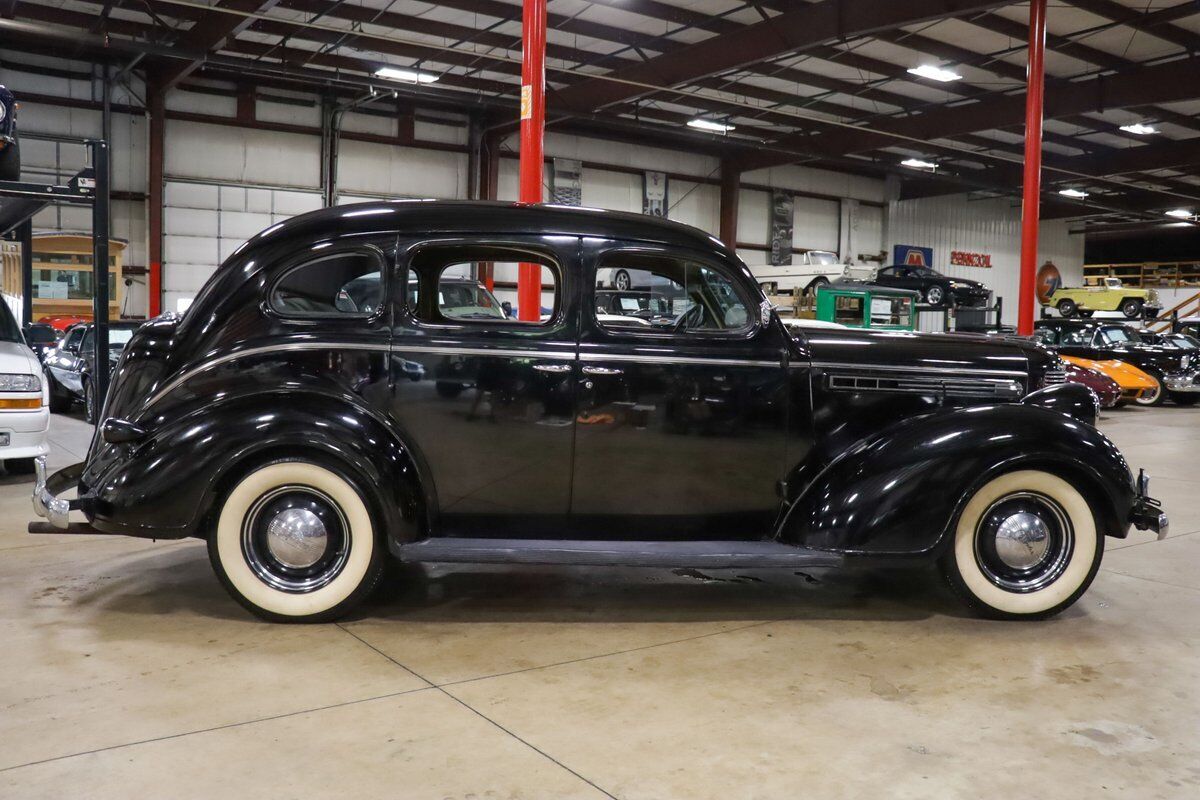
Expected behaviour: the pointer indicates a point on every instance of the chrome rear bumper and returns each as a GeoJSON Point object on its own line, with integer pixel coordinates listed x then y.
{"type": "Point", "coordinates": [1147, 513]}
{"type": "Point", "coordinates": [46, 502]}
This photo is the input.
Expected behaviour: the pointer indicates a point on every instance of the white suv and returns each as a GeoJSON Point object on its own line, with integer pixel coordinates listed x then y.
{"type": "Point", "coordinates": [24, 402]}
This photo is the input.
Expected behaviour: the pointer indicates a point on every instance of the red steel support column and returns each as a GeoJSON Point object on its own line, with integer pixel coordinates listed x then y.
{"type": "Point", "coordinates": [154, 196]}
{"type": "Point", "coordinates": [1035, 89]}
{"type": "Point", "coordinates": [533, 124]}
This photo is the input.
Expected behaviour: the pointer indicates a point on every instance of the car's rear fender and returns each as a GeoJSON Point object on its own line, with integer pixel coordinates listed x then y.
{"type": "Point", "coordinates": [169, 482]}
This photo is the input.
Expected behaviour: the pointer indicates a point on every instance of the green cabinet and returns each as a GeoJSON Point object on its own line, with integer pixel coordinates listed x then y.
{"type": "Point", "coordinates": [861, 305]}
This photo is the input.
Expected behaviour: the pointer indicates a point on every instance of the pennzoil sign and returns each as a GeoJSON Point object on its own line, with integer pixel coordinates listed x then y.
{"type": "Point", "coordinates": [961, 258]}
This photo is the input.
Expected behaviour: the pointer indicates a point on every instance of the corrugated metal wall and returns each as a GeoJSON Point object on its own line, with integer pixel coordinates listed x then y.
{"type": "Point", "coordinates": [993, 226]}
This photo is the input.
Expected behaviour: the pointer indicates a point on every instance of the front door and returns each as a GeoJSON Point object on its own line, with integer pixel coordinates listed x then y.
{"type": "Point", "coordinates": [487, 400]}
{"type": "Point", "coordinates": [682, 418]}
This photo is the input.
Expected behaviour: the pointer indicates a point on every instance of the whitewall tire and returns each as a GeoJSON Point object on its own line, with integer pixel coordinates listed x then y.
{"type": "Point", "coordinates": [295, 542]}
{"type": "Point", "coordinates": [1025, 547]}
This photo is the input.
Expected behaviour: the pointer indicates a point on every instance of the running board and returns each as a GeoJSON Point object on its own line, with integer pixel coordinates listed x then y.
{"type": "Point", "coordinates": [713, 555]}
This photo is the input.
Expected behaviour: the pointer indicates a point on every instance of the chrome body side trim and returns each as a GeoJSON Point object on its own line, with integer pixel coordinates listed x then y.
{"type": "Point", "coordinates": [924, 370]}
{"type": "Point", "coordinates": [638, 358]}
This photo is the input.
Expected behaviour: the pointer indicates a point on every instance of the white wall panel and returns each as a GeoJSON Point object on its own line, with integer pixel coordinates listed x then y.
{"type": "Point", "coordinates": [617, 191]}
{"type": "Point", "coordinates": [691, 203]}
{"type": "Point", "coordinates": [288, 113]}
{"type": "Point", "coordinates": [991, 226]}
{"type": "Point", "coordinates": [240, 155]}
{"type": "Point", "coordinates": [204, 223]}
{"type": "Point", "coordinates": [367, 168]}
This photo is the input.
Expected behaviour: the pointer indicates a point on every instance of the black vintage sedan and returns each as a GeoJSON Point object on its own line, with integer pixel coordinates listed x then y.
{"type": "Point", "coordinates": [936, 289]}
{"type": "Point", "coordinates": [284, 427]}
{"type": "Point", "coordinates": [69, 366]}
{"type": "Point", "coordinates": [1176, 370]}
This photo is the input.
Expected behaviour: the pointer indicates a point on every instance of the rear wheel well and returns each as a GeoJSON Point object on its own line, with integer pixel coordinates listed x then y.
{"type": "Point", "coordinates": [242, 467]}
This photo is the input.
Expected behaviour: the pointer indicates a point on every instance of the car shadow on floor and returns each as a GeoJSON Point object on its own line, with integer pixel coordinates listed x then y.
{"type": "Point", "coordinates": [176, 578]}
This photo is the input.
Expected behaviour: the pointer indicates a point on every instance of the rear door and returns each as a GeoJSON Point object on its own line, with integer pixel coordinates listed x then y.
{"type": "Point", "coordinates": [682, 420]}
{"type": "Point", "coordinates": [487, 401]}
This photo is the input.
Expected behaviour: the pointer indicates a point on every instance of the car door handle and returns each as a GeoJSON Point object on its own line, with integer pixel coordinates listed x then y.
{"type": "Point", "coordinates": [554, 368]}
{"type": "Point", "coordinates": [602, 371]}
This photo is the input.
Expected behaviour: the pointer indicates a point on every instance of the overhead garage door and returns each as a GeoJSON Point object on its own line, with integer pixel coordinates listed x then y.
{"type": "Point", "coordinates": [204, 222]}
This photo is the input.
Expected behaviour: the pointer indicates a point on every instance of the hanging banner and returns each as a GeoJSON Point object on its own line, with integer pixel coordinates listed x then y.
{"type": "Point", "coordinates": [654, 194]}
{"type": "Point", "coordinates": [912, 256]}
{"type": "Point", "coordinates": [780, 234]}
{"type": "Point", "coordinates": [566, 182]}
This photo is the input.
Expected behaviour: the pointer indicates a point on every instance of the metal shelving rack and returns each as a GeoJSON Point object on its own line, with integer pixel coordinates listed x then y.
{"type": "Point", "coordinates": [20, 200]}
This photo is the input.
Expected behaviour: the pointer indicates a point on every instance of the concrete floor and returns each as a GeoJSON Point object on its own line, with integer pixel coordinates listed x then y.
{"type": "Point", "coordinates": [125, 670]}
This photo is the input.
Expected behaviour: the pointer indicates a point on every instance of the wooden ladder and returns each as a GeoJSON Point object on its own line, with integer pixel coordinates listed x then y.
{"type": "Point", "coordinates": [1189, 307]}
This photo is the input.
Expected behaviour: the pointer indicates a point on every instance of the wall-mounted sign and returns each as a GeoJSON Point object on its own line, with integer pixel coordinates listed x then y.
{"type": "Point", "coordinates": [1049, 280]}
{"type": "Point", "coordinates": [780, 235]}
{"type": "Point", "coordinates": [961, 258]}
{"type": "Point", "coordinates": [654, 193]}
{"type": "Point", "coordinates": [567, 182]}
{"type": "Point", "coordinates": [912, 256]}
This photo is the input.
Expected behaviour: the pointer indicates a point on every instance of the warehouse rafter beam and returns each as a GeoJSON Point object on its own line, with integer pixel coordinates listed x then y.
{"type": "Point", "coordinates": [791, 31]}
{"type": "Point", "coordinates": [1156, 23]}
{"type": "Point", "coordinates": [212, 32]}
{"type": "Point", "coordinates": [1161, 83]}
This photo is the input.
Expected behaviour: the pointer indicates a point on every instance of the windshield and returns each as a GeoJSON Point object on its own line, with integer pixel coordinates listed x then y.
{"type": "Point", "coordinates": [925, 272]}
{"type": "Point", "coordinates": [117, 337]}
{"type": "Point", "coordinates": [1118, 335]}
{"type": "Point", "coordinates": [9, 332]}
{"type": "Point", "coordinates": [822, 258]}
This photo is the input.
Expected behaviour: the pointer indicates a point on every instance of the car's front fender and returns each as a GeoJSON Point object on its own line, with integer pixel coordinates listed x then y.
{"type": "Point", "coordinates": [899, 490]}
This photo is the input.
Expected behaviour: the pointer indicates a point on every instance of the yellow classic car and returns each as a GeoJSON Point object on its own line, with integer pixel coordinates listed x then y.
{"type": "Point", "coordinates": [1110, 295]}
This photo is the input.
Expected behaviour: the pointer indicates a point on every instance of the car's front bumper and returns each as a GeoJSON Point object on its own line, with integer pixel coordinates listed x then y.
{"type": "Point", "coordinates": [1183, 381]}
{"type": "Point", "coordinates": [1147, 513]}
{"type": "Point", "coordinates": [26, 433]}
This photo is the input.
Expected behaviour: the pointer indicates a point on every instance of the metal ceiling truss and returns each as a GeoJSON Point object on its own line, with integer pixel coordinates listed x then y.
{"type": "Point", "coordinates": [740, 69]}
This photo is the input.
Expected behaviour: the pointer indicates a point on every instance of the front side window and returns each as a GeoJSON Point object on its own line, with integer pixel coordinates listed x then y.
{"type": "Point", "coordinates": [8, 325]}
{"type": "Point", "coordinates": [1047, 336]}
{"type": "Point", "coordinates": [1077, 336]}
{"type": "Point", "coordinates": [449, 284]}
{"type": "Point", "coordinates": [348, 283]}
{"type": "Point", "coordinates": [676, 295]}
{"type": "Point", "coordinates": [848, 310]}
{"type": "Point", "coordinates": [73, 339]}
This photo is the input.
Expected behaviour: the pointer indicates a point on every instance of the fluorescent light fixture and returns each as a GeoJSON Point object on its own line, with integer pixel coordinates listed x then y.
{"type": "Point", "coordinates": [406, 75]}
{"type": "Point", "coordinates": [1141, 129]}
{"type": "Point", "coordinates": [709, 125]}
{"type": "Point", "coordinates": [1077, 194]}
{"type": "Point", "coordinates": [935, 73]}
{"type": "Point", "coordinates": [1180, 213]}
{"type": "Point", "coordinates": [917, 163]}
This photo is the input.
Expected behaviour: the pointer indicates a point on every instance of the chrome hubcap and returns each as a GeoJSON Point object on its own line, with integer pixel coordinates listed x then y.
{"type": "Point", "coordinates": [1022, 539]}
{"type": "Point", "coordinates": [1023, 542]}
{"type": "Point", "coordinates": [296, 537]}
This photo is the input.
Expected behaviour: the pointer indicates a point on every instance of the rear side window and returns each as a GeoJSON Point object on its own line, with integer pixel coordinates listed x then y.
{"type": "Point", "coordinates": [449, 283]}
{"type": "Point", "coordinates": [348, 283]}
